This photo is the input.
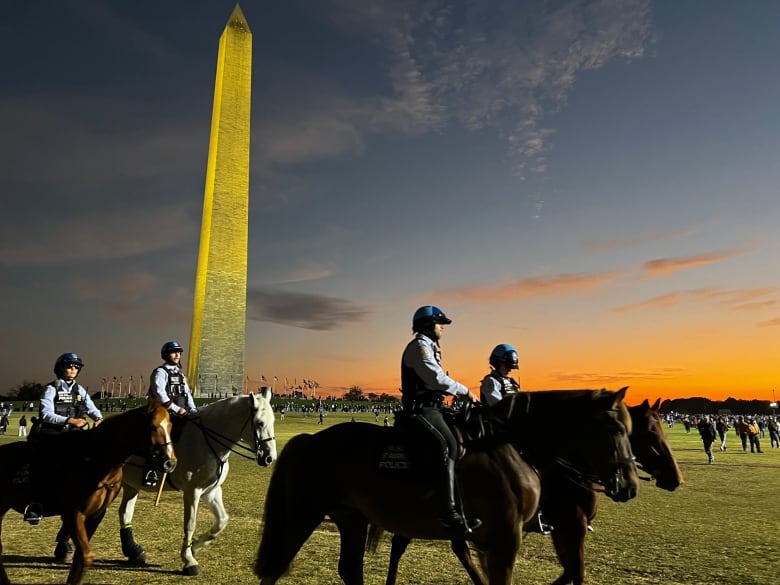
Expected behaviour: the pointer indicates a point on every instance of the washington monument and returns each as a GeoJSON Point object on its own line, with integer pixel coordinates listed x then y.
{"type": "Point", "coordinates": [216, 361]}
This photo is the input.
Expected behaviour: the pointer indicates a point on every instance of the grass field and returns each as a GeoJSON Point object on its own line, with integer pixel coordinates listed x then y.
{"type": "Point", "coordinates": [721, 527]}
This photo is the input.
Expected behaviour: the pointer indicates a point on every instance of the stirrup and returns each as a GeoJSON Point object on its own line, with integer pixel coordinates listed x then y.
{"type": "Point", "coordinates": [33, 513]}
{"type": "Point", "coordinates": [150, 478]}
{"type": "Point", "coordinates": [544, 528]}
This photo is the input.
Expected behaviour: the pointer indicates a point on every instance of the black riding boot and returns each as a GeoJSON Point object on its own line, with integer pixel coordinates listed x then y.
{"type": "Point", "coordinates": [130, 548]}
{"type": "Point", "coordinates": [450, 518]}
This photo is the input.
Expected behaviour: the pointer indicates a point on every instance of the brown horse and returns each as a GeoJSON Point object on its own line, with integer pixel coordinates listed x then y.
{"type": "Point", "coordinates": [571, 507]}
{"type": "Point", "coordinates": [76, 475]}
{"type": "Point", "coordinates": [354, 467]}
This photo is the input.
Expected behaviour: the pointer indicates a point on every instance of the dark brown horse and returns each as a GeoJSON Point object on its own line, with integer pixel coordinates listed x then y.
{"type": "Point", "coordinates": [571, 506]}
{"type": "Point", "coordinates": [348, 464]}
{"type": "Point", "coordinates": [77, 474]}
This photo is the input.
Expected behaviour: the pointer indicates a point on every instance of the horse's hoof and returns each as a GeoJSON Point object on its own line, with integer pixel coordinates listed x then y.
{"type": "Point", "coordinates": [138, 560]}
{"type": "Point", "coordinates": [63, 553]}
{"type": "Point", "coordinates": [191, 571]}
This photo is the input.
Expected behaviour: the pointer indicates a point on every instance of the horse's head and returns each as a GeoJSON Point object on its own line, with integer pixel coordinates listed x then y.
{"type": "Point", "coordinates": [609, 448]}
{"type": "Point", "coordinates": [161, 442]}
{"type": "Point", "coordinates": [583, 433]}
{"type": "Point", "coordinates": [263, 428]}
{"type": "Point", "coordinates": [649, 444]}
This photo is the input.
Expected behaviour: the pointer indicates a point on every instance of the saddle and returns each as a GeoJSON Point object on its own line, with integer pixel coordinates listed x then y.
{"type": "Point", "coordinates": [472, 427]}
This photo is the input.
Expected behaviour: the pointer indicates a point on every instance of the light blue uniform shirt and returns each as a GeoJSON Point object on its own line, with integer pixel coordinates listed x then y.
{"type": "Point", "coordinates": [47, 402]}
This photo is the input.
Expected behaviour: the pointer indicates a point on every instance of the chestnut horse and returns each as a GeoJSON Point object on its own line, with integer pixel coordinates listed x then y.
{"type": "Point", "coordinates": [571, 507]}
{"type": "Point", "coordinates": [76, 475]}
{"type": "Point", "coordinates": [350, 473]}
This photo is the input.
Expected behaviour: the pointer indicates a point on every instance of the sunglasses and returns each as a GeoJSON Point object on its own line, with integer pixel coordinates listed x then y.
{"type": "Point", "coordinates": [69, 366]}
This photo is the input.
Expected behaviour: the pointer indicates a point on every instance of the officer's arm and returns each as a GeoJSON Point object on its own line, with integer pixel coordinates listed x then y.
{"type": "Point", "coordinates": [490, 390]}
{"type": "Point", "coordinates": [432, 374]}
{"type": "Point", "coordinates": [47, 408]}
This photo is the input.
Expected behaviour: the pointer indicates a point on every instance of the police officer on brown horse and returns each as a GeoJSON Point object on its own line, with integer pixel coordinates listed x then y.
{"type": "Point", "coordinates": [498, 383]}
{"type": "Point", "coordinates": [65, 405]}
{"type": "Point", "coordinates": [424, 385]}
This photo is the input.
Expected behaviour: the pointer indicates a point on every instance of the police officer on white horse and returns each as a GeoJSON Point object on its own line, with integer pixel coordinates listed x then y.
{"type": "Point", "coordinates": [169, 386]}
{"type": "Point", "coordinates": [424, 385]}
{"type": "Point", "coordinates": [498, 383]}
{"type": "Point", "coordinates": [65, 405]}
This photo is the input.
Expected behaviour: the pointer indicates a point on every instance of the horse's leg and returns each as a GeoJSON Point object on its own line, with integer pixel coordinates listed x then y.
{"type": "Point", "coordinates": [397, 549]}
{"type": "Point", "coordinates": [213, 499]}
{"type": "Point", "coordinates": [353, 529]}
{"type": "Point", "coordinates": [4, 580]}
{"type": "Point", "coordinates": [569, 541]}
{"type": "Point", "coordinates": [63, 551]}
{"type": "Point", "coordinates": [463, 552]}
{"type": "Point", "coordinates": [130, 548]}
{"type": "Point", "coordinates": [501, 556]}
{"type": "Point", "coordinates": [191, 499]}
{"type": "Point", "coordinates": [83, 555]}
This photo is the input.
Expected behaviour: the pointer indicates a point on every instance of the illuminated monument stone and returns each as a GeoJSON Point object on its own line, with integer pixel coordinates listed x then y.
{"type": "Point", "coordinates": [216, 358]}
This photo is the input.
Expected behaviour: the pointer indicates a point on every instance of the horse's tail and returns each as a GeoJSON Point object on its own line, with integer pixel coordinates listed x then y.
{"type": "Point", "coordinates": [291, 513]}
{"type": "Point", "coordinates": [374, 534]}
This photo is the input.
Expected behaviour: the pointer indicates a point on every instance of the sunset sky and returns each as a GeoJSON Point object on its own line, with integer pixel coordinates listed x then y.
{"type": "Point", "coordinates": [595, 183]}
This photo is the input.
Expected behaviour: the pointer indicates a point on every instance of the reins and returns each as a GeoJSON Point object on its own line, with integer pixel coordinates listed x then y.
{"type": "Point", "coordinates": [228, 443]}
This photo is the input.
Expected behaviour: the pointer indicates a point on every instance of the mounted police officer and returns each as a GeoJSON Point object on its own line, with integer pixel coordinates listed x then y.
{"type": "Point", "coordinates": [169, 386]}
{"type": "Point", "coordinates": [65, 404]}
{"type": "Point", "coordinates": [424, 385]}
{"type": "Point", "coordinates": [498, 383]}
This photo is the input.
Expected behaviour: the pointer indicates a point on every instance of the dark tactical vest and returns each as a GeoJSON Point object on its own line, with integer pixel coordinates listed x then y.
{"type": "Point", "coordinates": [174, 388]}
{"type": "Point", "coordinates": [68, 402]}
{"type": "Point", "coordinates": [508, 385]}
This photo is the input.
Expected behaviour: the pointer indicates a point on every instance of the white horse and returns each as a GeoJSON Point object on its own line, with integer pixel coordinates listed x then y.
{"type": "Point", "coordinates": [202, 449]}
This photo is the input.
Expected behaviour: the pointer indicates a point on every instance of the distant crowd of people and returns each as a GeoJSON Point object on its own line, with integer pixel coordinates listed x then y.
{"type": "Point", "coordinates": [749, 429]}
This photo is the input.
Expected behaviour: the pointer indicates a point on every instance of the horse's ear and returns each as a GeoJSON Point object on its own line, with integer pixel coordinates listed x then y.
{"type": "Point", "coordinates": [657, 405]}
{"type": "Point", "coordinates": [266, 392]}
{"type": "Point", "coordinates": [620, 395]}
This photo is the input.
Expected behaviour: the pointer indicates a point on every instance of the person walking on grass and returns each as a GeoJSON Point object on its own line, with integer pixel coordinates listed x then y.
{"type": "Point", "coordinates": [722, 426]}
{"type": "Point", "coordinates": [708, 434]}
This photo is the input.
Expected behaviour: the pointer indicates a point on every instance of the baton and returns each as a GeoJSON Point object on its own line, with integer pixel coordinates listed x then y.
{"type": "Point", "coordinates": [159, 491]}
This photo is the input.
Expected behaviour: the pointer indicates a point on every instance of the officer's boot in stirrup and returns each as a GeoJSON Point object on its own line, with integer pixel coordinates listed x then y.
{"type": "Point", "coordinates": [450, 518]}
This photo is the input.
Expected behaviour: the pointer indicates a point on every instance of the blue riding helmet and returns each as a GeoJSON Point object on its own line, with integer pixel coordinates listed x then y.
{"type": "Point", "coordinates": [170, 347]}
{"type": "Point", "coordinates": [426, 316]}
{"type": "Point", "coordinates": [64, 360]}
{"type": "Point", "coordinates": [504, 354]}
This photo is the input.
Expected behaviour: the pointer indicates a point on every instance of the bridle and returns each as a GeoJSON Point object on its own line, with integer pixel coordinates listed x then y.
{"type": "Point", "coordinates": [578, 475]}
{"type": "Point", "coordinates": [214, 437]}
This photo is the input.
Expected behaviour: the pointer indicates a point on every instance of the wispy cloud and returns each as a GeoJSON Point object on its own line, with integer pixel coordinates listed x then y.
{"type": "Point", "coordinates": [497, 65]}
{"type": "Point", "coordinates": [307, 311]}
{"type": "Point", "coordinates": [668, 266]}
{"type": "Point", "coordinates": [138, 298]}
{"type": "Point", "coordinates": [737, 299]}
{"type": "Point", "coordinates": [553, 286]}
{"type": "Point", "coordinates": [598, 380]}
{"type": "Point", "coordinates": [97, 236]}
{"type": "Point", "coordinates": [604, 243]}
